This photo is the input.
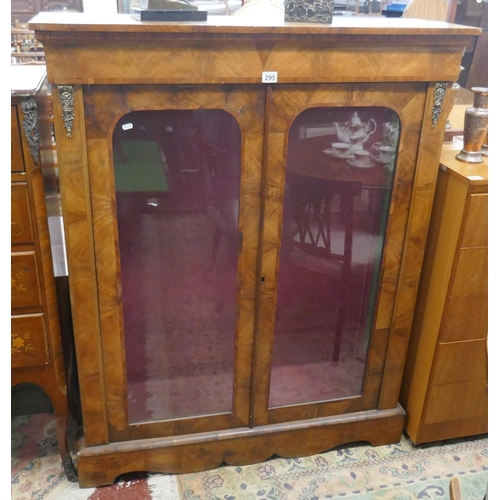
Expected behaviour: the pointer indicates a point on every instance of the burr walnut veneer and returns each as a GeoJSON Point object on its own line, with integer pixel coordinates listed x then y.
{"type": "Point", "coordinates": [243, 256]}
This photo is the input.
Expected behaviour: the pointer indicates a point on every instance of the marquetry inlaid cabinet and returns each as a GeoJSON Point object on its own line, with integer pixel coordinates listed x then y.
{"type": "Point", "coordinates": [246, 209]}
{"type": "Point", "coordinates": [445, 384]}
{"type": "Point", "coordinates": [36, 345]}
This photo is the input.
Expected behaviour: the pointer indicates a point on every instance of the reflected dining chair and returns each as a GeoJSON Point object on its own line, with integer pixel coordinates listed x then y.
{"type": "Point", "coordinates": [322, 238]}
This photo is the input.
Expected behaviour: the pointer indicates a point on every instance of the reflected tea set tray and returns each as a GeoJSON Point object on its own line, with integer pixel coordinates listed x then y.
{"type": "Point", "coordinates": [358, 158]}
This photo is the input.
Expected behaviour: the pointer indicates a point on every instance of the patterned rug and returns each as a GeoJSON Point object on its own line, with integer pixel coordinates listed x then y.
{"type": "Point", "coordinates": [395, 472]}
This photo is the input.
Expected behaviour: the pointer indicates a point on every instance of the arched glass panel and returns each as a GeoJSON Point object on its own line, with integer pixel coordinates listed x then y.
{"type": "Point", "coordinates": [177, 181]}
{"type": "Point", "coordinates": [339, 175]}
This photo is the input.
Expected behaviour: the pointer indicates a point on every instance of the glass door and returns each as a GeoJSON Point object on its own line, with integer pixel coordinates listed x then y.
{"type": "Point", "coordinates": [332, 238]}
{"type": "Point", "coordinates": [175, 176]}
{"type": "Point", "coordinates": [177, 188]}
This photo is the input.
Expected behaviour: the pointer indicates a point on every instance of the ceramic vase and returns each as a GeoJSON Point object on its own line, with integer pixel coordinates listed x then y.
{"type": "Point", "coordinates": [475, 127]}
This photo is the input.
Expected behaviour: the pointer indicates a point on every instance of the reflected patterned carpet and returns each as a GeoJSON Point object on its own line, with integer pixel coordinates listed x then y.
{"type": "Point", "coordinates": [359, 472]}
{"type": "Point", "coordinates": [180, 322]}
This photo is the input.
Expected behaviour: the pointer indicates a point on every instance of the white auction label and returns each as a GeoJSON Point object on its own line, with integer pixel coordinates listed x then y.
{"type": "Point", "coordinates": [269, 77]}
{"type": "Point", "coordinates": [475, 177]}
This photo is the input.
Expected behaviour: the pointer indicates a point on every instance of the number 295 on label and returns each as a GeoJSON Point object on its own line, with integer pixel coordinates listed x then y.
{"type": "Point", "coordinates": [269, 77]}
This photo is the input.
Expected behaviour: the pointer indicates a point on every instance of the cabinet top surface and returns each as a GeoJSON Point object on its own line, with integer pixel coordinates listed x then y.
{"type": "Point", "coordinates": [473, 173]}
{"type": "Point", "coordinates": [352, 25]}
{"type": "Point", "coordinates": [26, 80]}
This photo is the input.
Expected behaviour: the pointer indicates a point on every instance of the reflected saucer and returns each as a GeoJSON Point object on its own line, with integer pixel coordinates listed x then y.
{"type": "Point", "coordinates": [355, 164]}
{"type": "Point", "coordinates": [337, 154]}
{"type": "Point", "coordinates": [389, 161]}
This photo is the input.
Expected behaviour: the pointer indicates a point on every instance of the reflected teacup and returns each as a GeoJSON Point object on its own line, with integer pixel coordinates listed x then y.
{"type": "Point", "coordinates": [387, 153]}
{"type": "Point", "coordinates": [361, 158]}
{"type": "Point", "coordinates": [341, 149]}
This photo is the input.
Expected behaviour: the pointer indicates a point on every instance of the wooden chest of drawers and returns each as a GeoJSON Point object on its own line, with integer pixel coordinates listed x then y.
{"type": "Point", "coordinates": [444, 389]}
{"type": "Point", "coordinates": [36, 347]}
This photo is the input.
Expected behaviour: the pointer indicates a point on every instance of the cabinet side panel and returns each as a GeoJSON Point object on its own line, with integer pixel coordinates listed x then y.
{"type": "Point", "coordinates": [41, 175]}
{"type": "Point", "coordinates": [75, 197]}
{"type": "Point", "coordinates": [415, 239]}
{"type": "Point", "coordinates": [410, 111]}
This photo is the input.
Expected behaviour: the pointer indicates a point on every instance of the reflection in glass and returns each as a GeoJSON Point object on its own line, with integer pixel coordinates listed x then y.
{"type": "Point", "coordinates": [339, 175]}
{"type": "Point", "coordinates": [177, 198]}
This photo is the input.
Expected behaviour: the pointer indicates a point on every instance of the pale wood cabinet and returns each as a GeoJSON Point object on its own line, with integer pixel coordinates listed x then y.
{"type": "Point", "coordinates": [36, 344]}
{"type": "Point", "coordinates": [445, 386]}
{"type": "Point", "coordinates": [243, 256]}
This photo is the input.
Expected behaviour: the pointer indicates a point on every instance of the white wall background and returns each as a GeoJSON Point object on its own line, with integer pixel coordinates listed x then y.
{"type": "Point", "coordinates": [100, 6]}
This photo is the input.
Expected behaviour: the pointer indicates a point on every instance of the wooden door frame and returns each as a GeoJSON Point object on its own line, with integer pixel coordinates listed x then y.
{"type": "Point", "coordinates": [408, 101]}
{"type": "Point", "coordinates": [243, 104]}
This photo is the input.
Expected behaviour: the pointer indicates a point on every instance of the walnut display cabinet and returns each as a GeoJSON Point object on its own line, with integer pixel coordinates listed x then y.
{"type": "Point", "coordinates": [246, 209]}
{"type": "Point", "coordinates": [445, 382]}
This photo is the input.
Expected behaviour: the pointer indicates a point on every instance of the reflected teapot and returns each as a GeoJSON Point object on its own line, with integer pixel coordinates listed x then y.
{"type": "Point", "coordinates": [354, 131]}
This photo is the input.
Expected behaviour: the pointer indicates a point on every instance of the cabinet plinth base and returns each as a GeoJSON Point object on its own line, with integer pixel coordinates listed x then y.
{"type": "Point", "coordinates": [101, 465]}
